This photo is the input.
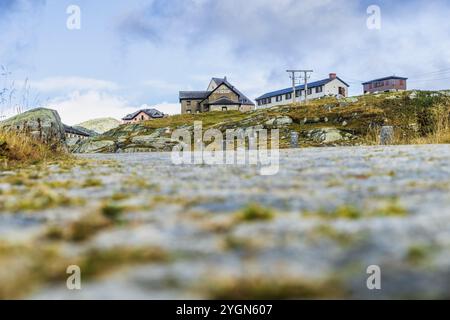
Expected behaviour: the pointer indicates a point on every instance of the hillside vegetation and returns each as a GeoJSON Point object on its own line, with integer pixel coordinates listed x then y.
{"type": "Point", "coordinates": [417, 117]}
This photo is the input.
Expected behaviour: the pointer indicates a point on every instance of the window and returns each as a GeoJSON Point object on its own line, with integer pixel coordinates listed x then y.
{"type": "Point", "coordinates": [269, 100]}
{"type": "Point", "coordinates": [259, 102]}
{"type": "Point", "coordinates": [309, 91]}
{"type": "Point", "coordinates": [224, 109]}
{"type": "Point", "coordinates": [188, 103]}
{"type": "Point", "coordinates": [279, 98]}
{"type": "Point", "coordinates": [319, 89]}
{"type": "Point", "coordinates": [298, 93]}
{"type": "Point", "coordinates": [288, 96]}
{"type": "Point", "coordinates": [142, 117]}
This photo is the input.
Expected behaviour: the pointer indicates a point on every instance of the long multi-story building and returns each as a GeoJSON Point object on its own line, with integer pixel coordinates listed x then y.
{"type": "Point", "coordinates": [331, 86]}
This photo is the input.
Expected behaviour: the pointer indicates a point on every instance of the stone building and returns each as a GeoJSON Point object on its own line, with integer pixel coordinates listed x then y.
{"type": "Point", "coordinates": [220, 95]}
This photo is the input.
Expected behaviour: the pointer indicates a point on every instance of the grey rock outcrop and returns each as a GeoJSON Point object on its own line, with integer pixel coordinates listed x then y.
{"type": "Point", "coordinates": [41, 123]}
{"type": "Point", "coordinates": [279, 121]}
{"type": "Point", "coordinates": [328, 135]}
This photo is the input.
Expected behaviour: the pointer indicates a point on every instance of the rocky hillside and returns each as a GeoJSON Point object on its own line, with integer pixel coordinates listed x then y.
{"type": "Point", "coordinates": [417, 117]}
{"type": "Point", "coordinates": [100, 125]}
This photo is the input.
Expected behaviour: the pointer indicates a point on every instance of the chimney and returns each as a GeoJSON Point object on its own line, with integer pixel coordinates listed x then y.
{"type": "Point", "coordinates": [225, 78]}
{"type": "Point", "coordinates": [332, 75]}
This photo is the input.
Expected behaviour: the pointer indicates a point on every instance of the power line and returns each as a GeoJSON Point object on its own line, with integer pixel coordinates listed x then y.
{"type": "Point", "coordinates": [293, 76]}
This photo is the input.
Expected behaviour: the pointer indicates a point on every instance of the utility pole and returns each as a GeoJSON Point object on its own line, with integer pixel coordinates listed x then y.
{"type": "Point", "coordinates": [294, 77]}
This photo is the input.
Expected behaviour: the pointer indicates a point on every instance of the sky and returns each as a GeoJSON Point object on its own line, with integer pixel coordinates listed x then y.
{"type": "Point", "coordinates": [137, 53]}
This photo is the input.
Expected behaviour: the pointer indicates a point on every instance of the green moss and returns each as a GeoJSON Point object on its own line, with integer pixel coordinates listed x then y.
{"type": "Point", "coordinates": [327, 231]}
{"type": "Point", "coordinates": [112, 211]}
{"type": "Point", "coordinates": [417, 254]}
{"type": "Point", "coordinates": [391, 209]}
{"type": "Point", "coordinates": [254, 212]}
{"type": "Point", "coordinates": [341, 212]}
{"type": "Point", "coordinates": [91, 182]}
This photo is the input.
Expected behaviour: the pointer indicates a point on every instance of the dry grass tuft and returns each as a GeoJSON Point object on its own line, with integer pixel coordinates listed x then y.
{"type": "Point", "coordinates": [17, 148]}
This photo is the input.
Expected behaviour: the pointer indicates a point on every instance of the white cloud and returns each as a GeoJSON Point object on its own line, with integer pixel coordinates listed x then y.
{"type": "Point", "coordinates": [54, 84]}
{"type": "Point", "coordinates": [161, 85]}
{"type": "Point", "coordinates": [257, 45]}
{"type": "Point", "coordinates": [165, 107]}
{"type": "Point", "coordinates": [78, 107]}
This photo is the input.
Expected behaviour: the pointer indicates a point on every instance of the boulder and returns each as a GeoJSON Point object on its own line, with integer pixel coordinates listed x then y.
{"type": "Point", "coordinates": [386, 135]}
{"type": "Point", "coordinates": [95, 146]}
{"type": "Point", "coordinates": [351, 100]}
{"type": "Point", "coordinates": [279, 121]}
{"type": "Point", "coordinates": [41, 123]}
{"type": "Point", "coordinates": [413, 95]}
{"type": "Point", "coordinates": [327, 135]}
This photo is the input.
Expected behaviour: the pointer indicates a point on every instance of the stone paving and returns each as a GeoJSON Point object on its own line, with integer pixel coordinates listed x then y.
{"type": "Point", "coordinates": [309, 231]}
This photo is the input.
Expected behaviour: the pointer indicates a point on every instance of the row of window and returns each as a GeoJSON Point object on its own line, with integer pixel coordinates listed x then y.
{"type": "Point", "coordinates": [288, 96]}
{"type": "Point", "coordinates": [378, 84]}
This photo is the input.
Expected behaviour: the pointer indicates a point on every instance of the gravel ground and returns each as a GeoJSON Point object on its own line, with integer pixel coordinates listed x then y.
{"type": "Point", "coordinates": [309, 231]}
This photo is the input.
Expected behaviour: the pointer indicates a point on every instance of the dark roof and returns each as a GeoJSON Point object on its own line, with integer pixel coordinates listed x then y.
{"type": "Point", "coordinates": [72, 130]}
{"type": "Point", "coordinates": [153, 113]}
{"type": "Point", "coordinates": [193, 95]}
{"type": "Point", "coordinates": [386, 78]}
{"type": "Point", "coordinates": [300, 87]}
{"type": "Point", "coordinates": [242, 98]}
{"type": "Point", "coordinates": [223, 100]}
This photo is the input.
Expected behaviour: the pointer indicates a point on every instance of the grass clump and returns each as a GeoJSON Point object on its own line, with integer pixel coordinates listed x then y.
{"type": "Point", "coordinates": [254, 212]}
{"type": "Point", "coordinates": [112, 211]}
{"type": "Point", "coordinates": [40, 198]}
{"type": "Point", "coordinates": [91, 182]}
{"type": "Point", "coordinates": [417, 254]}
{"type": "Point", "coordinates": [18, 149]}
{"type": "Point", "coordinates": [349, 212]}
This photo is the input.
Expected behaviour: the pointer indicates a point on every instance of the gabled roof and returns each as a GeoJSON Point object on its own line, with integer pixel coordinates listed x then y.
{"type": "Point", "coordinates": [242, 98]}
{"type": "Point", "coordinates": [386, 78]}
{"type": "Point", "coordinates": [193, 95]}
{"type": "Point", "coordinates": [202, 95]}
{"type": "Point", "coordinates": [153, 113]}
{"type": "Point", "coordinates": [300, 87]}
{"type": "Point", "coordinates": [223, 100]}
